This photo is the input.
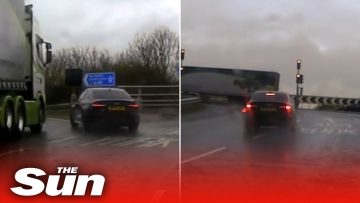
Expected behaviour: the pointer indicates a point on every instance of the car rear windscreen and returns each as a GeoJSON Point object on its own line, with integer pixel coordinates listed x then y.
{"type": "Point", "coordinates": [111, 94]}
{"type": "Point", "coordinates": [262, 97]}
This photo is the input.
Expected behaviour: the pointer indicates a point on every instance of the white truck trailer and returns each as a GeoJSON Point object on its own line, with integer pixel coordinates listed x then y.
{"type": "Point", "coordinates": [23, 57]}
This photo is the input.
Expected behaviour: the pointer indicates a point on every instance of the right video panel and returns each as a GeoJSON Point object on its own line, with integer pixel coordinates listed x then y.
{"type": "Point", "coordinates": [270, 108]}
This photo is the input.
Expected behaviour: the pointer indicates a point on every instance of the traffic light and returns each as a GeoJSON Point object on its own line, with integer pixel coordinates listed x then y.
{"type": "Point", "coordinates": [299, 78]}
{"type": "Point", "coordinates": [301, 91]}
{"type": "Point", "coordinates": [298, 64]}
{"type": "Point", "coordinates": [182, 54]}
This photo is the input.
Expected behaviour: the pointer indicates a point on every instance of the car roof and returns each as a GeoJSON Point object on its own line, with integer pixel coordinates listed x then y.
{"type": "Point", "coordinates": [275, 92]}
{"type": "Point", "coordinates": [104, 88]}
{"type": "Point", "coordinates": [277, 96]}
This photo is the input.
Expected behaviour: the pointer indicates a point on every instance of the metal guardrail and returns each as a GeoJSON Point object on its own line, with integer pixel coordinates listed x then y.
{"type": "Point", "coordinates": [147, 96]}
{"type": "Point", "coordinates": [190, 99]}
{"type": "Point", "coordinates": [154, 95]}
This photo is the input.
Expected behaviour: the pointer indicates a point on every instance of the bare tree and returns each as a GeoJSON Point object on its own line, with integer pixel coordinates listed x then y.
{"type": "Point", "coordinates": [151, 58]}
{"type": "Point", "coordinates": [86, 58]}
{"type": "Point", "coordinates": [158, 50]}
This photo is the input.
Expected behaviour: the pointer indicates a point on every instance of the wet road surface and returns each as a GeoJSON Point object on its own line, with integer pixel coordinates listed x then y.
{"type": "Point", "coordinates": [322, 159]}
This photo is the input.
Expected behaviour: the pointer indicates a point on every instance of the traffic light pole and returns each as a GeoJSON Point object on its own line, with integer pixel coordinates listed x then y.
{"type": "Point", "coordinates": [182, 57]}
{"type": "Point", "coordinates": [297, 84]}
{"type": "Point", "coordinates": [298, 67]}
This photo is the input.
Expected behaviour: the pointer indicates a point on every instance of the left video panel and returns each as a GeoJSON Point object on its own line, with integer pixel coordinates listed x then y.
{"type": "Point", "coordinates": [89, 106]}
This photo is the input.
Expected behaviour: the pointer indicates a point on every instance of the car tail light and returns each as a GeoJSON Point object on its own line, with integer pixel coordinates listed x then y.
{"type": "Point", "coordinates": [244, 110]}
{"type": "Point", "coordinates": [97, 105]}
{"type": "Point", "coordinates": [287, 107]}
{"type": "Point", "coordinates": [248, 107]}
{"type": "Point", "coordinates": [134, 106]}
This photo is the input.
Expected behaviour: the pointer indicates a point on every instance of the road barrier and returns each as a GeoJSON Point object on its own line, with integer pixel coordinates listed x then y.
{"type": "Point", "coordinates": [147, 96]}
{"type": "Point", "coordinates": [154, 95]}
{"type": "Point", "coordinates": [190, 98]}
{"type": "Point", "coordinates": [327, 100]}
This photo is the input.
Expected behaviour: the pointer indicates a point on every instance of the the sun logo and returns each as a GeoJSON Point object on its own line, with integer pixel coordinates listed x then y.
{"type": "Point", "coordinates": [73, 184]}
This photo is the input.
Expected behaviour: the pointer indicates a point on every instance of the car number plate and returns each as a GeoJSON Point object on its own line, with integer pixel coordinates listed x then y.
{"type": "Point", "coordinates": [116, 108]}
{"type": "Point", "coordinates": [268, 109]}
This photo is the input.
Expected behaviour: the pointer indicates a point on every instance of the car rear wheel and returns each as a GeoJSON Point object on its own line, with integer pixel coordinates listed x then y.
{"type": "Point", "coordinates": [74, 125]}
{"type": "Point", "coordinates": [292, 129]}
{"type": "Point", "coordinates": [250, 131]}
{"type": "Point", "coordinates": [133, 127]}
{"type": "Point", "coordinates": [86, 123]}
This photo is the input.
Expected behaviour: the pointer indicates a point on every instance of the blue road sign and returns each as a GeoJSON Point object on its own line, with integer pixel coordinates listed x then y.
{"type": "Point", "coordinates": [99, 79]}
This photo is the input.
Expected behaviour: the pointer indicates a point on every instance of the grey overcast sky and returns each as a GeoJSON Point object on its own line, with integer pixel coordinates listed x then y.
{"type": "Point", "coordinates": [109, 24]}
{"type": "Point", "coordinates": [273, 34]}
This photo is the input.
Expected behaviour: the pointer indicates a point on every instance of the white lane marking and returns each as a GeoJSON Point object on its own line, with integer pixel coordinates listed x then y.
{"type": "Point", "coordinates": [12, 152]}
{"type": "Point", "coordinates": [96, 141]}
{"type": "Point", "coordinates": [58, 119]}
{"type": "Point", "coordinates": [134, 141]}
{"type": "Point", "coordinates": [330, 120]}
{"type": "Point", "coordinates": [258, 136]}
{"type": "Point", "coordinates": [140, 142]}
{"type": "Point", "coordinates": [62, 139]}
{"type": "Point", "coordinates": [157, 196]}
{"type": "Point", "coordinates": [164, 142]}
{"type": "Point", "coordinates": [204, 155]}
{"type": "Point", "coordinates": [174, 132]}
{"type": "Point", "coordinates": [115, 140]}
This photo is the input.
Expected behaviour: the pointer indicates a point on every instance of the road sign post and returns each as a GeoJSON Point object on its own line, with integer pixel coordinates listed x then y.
{"type": "Point", "coordinates": [100, 79]}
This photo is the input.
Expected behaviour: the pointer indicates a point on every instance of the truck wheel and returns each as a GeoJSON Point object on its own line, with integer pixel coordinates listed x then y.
{"type": "Point", "coordinates": [20, 120]}
{"type": "Point", "coordinates": [36, 129]}
{"type": "Point", "coordinates": [9, 119]}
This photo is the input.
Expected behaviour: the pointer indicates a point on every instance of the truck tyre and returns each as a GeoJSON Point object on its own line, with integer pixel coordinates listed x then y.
{"type": "Point", "coordinates": [36, 129]}
{"type": "Point", "coordinates": [19, 120]}
{"type": "Point", "coordinates": [8, 119]}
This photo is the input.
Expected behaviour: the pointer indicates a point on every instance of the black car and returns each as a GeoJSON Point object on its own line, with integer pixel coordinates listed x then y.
{"type": "Point", "coordinates": [269, 109]}
{"type": "Point", "coordinates": [110, 106]}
